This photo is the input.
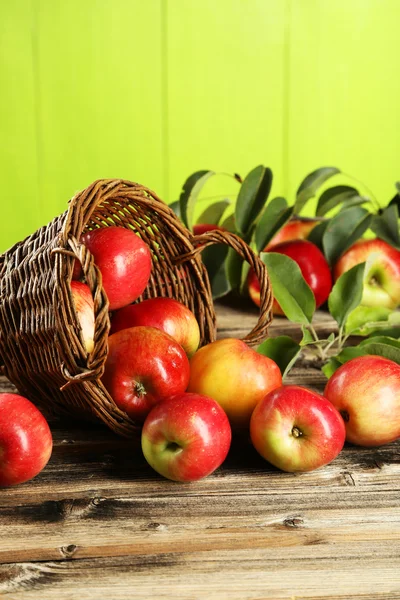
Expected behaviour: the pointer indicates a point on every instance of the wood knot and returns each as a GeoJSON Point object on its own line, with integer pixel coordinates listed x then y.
{"type": "Point", "coordinates": [293, 522]}
{"type": "Point", "coordinates": [156, 526]}
{"type": "Point", "coordinates": [68, 551]}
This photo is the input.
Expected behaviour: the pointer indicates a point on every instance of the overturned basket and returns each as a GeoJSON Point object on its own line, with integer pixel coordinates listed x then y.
{"type": "Point", "coordinates": [41, 345]}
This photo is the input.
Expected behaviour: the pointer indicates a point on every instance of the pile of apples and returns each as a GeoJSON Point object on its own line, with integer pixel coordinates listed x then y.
{"type": "Point", "coordinates": [188, 400]}
{"type": "Point", "coordinates": [382, 285]}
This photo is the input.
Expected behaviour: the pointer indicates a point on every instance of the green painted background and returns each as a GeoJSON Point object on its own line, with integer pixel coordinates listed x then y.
{"type": "Point", "coordinates": [152, 90]}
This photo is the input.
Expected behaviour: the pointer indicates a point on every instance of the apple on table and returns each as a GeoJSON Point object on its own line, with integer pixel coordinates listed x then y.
{"type": "Point", "coordinates": [382, 282]}
{"type": "Point", "coordinates": [25, 440]}
{"type": "Point", "coordinates": [186, 437]}
{"type": "Point", "coordinates": [296, 429]}
{"type": "Point", "coordinates": [366, 391]}
{"type": "Point", "coordinates": [313, 266]}
{"type": "Point", "coordinates": [144, 365]}
{"type": "Point", "coordinates": [298, 228]}
{"type": "Point", "coordinates": [234, 375]}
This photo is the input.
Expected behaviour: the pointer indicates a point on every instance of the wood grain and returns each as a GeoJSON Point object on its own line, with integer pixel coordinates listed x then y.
{"type": "Point", "coordinates": [98, 522]}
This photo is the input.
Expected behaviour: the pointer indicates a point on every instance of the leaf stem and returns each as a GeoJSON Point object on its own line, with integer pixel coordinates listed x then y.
{"type": "Point", "coordinates": [372, 196]}
{"type": "Point", "coordinates": [320, 350]}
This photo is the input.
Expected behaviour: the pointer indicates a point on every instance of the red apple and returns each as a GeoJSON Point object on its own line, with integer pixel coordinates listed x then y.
{"type": "Point", "coordinates": [298, 228]}
{"type": "Point", "coordinates": [313, 266]}
{"type": "Point", "coordinates": [366, 391]}
{"type": "Point", "coordinates": [25, 440]}
{"type": "Point", "coordinates": [166, 314]}
{"type": "Point", "coordinates": [84, 306]}
{"type": "Point", "coordinates": [200, 228]}
{"type": "Point", "coordinates": [186, 437]}
{"type": "Point", "coordinates": [236, 376]}
{"type": "Point", "coordinates": [143, 366]}
{"type": "Point", "coordinates": [296, 429]}
{"type": "Point", "coordinates": [382, 282]}
{"type": "Point", "coordinates": [124, 261]}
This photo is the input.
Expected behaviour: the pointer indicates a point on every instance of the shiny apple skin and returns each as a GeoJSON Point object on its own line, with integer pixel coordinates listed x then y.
{"type": "Point", "coordinates": [382, 287]}
{"type": "Point", "coordinates": [143, 366]}
{"type": "Point", "coordinates": [165, 314]}
{"type": "Point", "coordinates": [84, 306]}
{"type": "Point", "coordinates": [25, 440]}
{"type": "Point", "coordinates": [124, 261]}
{"type": "Point", "coordinates": [313, 266]}
{"type": "Point", "coordinates": [236, 376]}
{"type": "Point", "coordinates": [201, 228]}
{"type": "Point", "coordinates": [296, 429]}
{"type": "Point", "coordinates": [186, 437]}
{"type": "Point", "coordinates": [296, 229]}
{"type": "Point", "coordinates": [366, 390]}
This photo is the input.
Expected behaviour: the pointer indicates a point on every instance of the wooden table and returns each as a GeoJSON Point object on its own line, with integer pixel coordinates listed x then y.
{"type": "Point", "coordinates": [99, 523]}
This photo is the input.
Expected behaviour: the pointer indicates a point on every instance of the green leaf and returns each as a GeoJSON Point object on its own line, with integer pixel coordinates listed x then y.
{"type": "Point", "coordinates": [307, 338]}
{"type": "Point", "coordinates": [381, 339]}
{"type": "Point", "coordinates": [364, 320]}
{"type": "Point", "coordinates": [214, 258]}
{"type": "Point", "coordinates": [213, 213]}
{"type": "Point", "coordinates": [176, 207]}
{"type": "Point", "coordinates": [233, 267]}
{"type": "Point", "coordinates": [229, 223]}
{"type": "Point", "coordinates": [253, 194]}
{"type": "Point", "coordinates": [386, 225]}
{"type": "Point", "coordinates": [283, 350]}
{"type": "Point", "coordinates": [289, 287]}
{"type": "Point", "coordinates": [382, 348]}
{"type": "Point", "coordinates": [343, 230]}
{"type": "Point", "coordinates": [310, 185]}
{"type": "Point", "coordinates": [355, 201]}
{"type": "Point", "coordinates": [243, 280]}
{"type": "Point", "coordinates": [316, 234]}
{"type": "Point", "coordinates": [334, 196]}
{"type": "Point", "coordinates": [190, 192]}
{"type": "Point", "coordinates": [273, 218]}
{"type": "Point", "coordinates": [346, 294]}
{"type": "Point", "coordinates": [331, 366]}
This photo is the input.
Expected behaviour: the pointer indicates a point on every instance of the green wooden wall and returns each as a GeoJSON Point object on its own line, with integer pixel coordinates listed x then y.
{"type": "Point", "coordinates": [154, 90]}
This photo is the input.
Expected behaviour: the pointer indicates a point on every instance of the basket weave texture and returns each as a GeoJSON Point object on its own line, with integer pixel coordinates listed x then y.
{"type": "Point", "coordinates": [41, 346]}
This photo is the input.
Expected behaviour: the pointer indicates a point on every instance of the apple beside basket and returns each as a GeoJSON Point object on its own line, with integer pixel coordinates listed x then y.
{"type": "Point", "coordinates": [41, 345]}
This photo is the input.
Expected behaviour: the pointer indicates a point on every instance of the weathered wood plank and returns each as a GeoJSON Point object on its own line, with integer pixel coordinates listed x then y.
{"type": "Point", "coordinates": [236, 317]}
{"type": "Point", "coordinates": [98, 522]}
{"type": "Point", "coordinates": [215, 575]}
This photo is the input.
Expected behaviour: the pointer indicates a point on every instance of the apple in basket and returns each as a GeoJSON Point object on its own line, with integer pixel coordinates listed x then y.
{"type": "Point", "coordinates": [144, 365]}
{"type": "Point", "coordinates": [296, 429]}
{"type": "Point", "coordinates": [313, 266]}
{"type": "Point", "coordinates": [84, 305]}
{"type": "Point", "coordinates": [124, 260]}
{"type": "Point", "coordinates": [25, 440]}
{"type": "Point", "coordinates": [165, 314]}
{"type": "Point", "coordinates": [186, 437]}
{"type": "Point", "coordinates": [366, 391]}
{"type": "Point", "coordinates": [382, 282]}
{"type": "Point", "coordinates": [234, 375]}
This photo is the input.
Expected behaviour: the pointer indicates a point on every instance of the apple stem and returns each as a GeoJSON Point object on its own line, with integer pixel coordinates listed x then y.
{"type": "Point", "coordinates": [345, 416]}
{"type": "Point", "coordinates": [140, 389]}
{"type": "Point", "coordinates": [296, 432]}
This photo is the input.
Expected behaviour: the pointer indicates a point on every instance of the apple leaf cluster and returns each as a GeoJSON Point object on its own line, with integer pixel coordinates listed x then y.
{"type": "Point", "coordinates": [378, 325]}
{"type": "Point", "coordinates": [345, 213]}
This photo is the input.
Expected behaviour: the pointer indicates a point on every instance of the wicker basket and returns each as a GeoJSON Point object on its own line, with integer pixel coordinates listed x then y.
{"type": "Point", "coordinates": [41, 344]}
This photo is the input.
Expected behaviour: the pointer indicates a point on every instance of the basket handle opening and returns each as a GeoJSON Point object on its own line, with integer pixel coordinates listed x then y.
{"type": "Point", "coordinates": [259, 332]}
